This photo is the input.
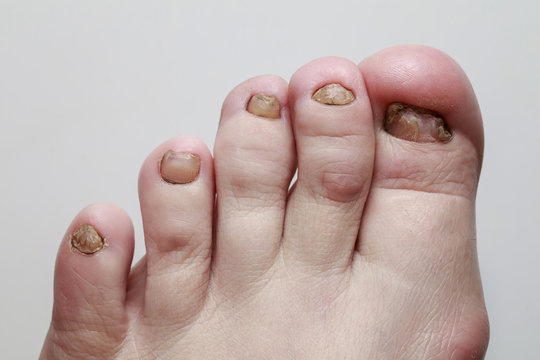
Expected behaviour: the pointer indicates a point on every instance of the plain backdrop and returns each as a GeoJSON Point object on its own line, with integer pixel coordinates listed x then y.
{"type": "Point", "coordinates": [89, 88]}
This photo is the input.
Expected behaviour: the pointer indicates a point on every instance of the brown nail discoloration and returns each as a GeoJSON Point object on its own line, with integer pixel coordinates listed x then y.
{"type": "Point", "coordinates": [87, 240]}
{"type": "Point", "coordinates": [265, 106]}
{"type": "Point", "coordinates": [179, 168]}
{"type": "Point", "coordinates": [333, 94]}
{"type": "Point", "coordinates": [416, 124]}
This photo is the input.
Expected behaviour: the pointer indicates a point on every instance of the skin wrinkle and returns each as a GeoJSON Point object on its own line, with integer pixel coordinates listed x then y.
{"type": "Point", "coordinates": [244, 199]}
{"type": "Point", "coordinates": [402, 308]}
{"type": "Point", "coordinates": [265, 183]}
{"type": "Point", "coordinates": [73, 352]}
{"type": "Point", "coordinates": [164, 333]}
{"type": "Point", "coordinates": [445, 342]}
{"type": "Point", "coordinates": [325, 202]}
{"type": "Point", "coordinates": [180, 263]}
{"type": "Point", "coordinates": [258, 270]}
{"type": "Point", "coordinates": [440, 171]}
{"type": "Point", "coordinates": [435, 297]}
{"type": "Point", "coordinates": [331, 133]}
{"type": "Point", "coordinates": [455, 320]}
{"type": "Point", "coordinates": [95, 317]}
{"type": "Point", "coordinates": [434, 315]}
{"type": "Point", "coordinates": [188, 253]}
{"type": "Point", "coordinates": [262, 158]}
{"type": "Point", "coordinates": [332, 143]}
{"type": "Point", "coordinates": [441, 179]}
{"type": "Point", "coordinates": [415, 189]}
{"type": "Point", "coordinates": [74, 348]}
{"type": "Point", "coordinates": [385, 290]}
{"type": "Point", "coordinates": [174, 244]}
{"type": "Point", "coordinates": [129, 340]}
{"type": "Point", "coordinates": [260, 274]}
{"type": "Point", "coordinates": [329, 206]}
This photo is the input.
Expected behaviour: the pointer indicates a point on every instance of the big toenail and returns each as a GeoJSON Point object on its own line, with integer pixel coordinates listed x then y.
{"type": "Point", "coordinates": [179, 168]}
{"type": "Point", "coordinates": [87, 240]}
{"type": "Point", "coordinates": [265, 106]}
{"type": "Point", "coordinates": [333, 94]}
{"type": "Point", "coordinates": [415, 124]}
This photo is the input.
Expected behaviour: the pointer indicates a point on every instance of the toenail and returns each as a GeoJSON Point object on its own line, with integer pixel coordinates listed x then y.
{"type": "Point", "coordinates": [86, 240]}
{"type": "Point", "coordinates": [265, 106]}
{"type": "Point", "coordinates": [333, 94]}
{"type": "Point", "coordinates": [416, 124]}
{"type": "Point", "coordinates": [179, 168]}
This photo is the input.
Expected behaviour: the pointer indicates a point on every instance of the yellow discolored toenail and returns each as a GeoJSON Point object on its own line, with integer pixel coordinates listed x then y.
{"type": "Point", "coordinates": [179, 168]}
{"type": "Point", "coordinates": [333, 94]}
{"type": "Point", "coordinates": [415, 124]}
{"type": "Point", "coordinates": [265, 106]}
{"type": "Point", "coordinates": [87, 240]}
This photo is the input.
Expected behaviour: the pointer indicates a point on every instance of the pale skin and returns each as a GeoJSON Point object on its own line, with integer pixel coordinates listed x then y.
{"type": "Point", "coordinates": [370, 255]}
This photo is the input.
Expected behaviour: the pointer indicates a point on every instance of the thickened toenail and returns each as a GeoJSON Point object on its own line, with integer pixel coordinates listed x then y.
{"type": "Point", "coordinates": [333, 94]}
{"type": "Point", "coordinates": [415, 124]}
{"type": "Point", "coordinates": [265, 106]}
{"type": "Point", "coordinates": [87, 240]}
{"type": "Point", "coordinates": [179, 168]}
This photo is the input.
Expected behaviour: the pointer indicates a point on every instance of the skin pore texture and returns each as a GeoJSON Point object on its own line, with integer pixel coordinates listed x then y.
{"type": "Point", "coordinates": [370, 254]}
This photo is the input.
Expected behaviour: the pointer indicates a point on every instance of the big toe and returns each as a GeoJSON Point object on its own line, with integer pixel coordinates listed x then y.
{"type": "Point", "coordinates": [429, 142]}
{"type": "Point", "coordinates": [434, 139]}
{"type": "Point", "coordinates": [419, 222]}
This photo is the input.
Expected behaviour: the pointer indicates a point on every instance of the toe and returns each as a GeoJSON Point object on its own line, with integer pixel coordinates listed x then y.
{"type": "Point", "coordinates": [418, 227]}
{"type": "Point", "coordinates": [408, 80]}
{"type": "Point", "coordinates": [254, 162]}
{"type": "Point", "coordinates": [419, 223]}
{"type": "Point", "coordinates": [419, 87]}
{"type": "Point", "coordinates": [333, 128]}
{"type": "Point", "coordinates": [90, 284]}
{"type": "Point", "coordinates": [176, 192]}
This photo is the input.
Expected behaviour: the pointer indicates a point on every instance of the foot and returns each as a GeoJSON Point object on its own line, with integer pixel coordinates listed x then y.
{"type": "Point", "coordinates": [370, 255]}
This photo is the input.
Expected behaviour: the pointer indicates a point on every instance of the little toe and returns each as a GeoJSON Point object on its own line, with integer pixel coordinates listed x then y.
{"type": "Point", "coordinates": [254, 162]}
{"type": "Point", "coordinates": [176, 192]}
{"type": "Point", "coordinates": [333, 127]}
{"type": "Point", "coordinates": [90, 285]}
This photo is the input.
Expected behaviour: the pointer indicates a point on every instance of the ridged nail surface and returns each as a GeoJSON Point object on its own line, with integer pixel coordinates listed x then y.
{"type": "Point", "coordinates": [263, 105]}
{"type": "Point", "coordinates": [415, 124]}
{"type": "Point", "coordinates": [333, 94]}
{"type": "Point", "coordinates": [87, 240]}
{"type": "Point", "coordinates": [179, 168]}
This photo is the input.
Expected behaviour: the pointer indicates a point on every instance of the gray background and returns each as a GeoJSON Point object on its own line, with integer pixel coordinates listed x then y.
{"type": "Point", "coordinates": [89, 88]}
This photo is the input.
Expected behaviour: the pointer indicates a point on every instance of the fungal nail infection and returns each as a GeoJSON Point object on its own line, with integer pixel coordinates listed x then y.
{"type": "Point", "coordinates": [416, 124]}
{"type": "Point", "coordinates": [87, 240]}
{"type": "Point", "coordinates": [264, 106]}
{"type": "Point", "coordinates": [333, 94]}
